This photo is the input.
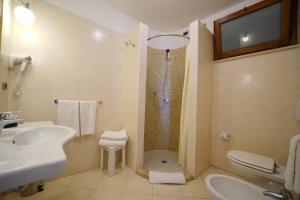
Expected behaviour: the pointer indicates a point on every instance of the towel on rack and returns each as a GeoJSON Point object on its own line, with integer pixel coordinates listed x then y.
{"type": "Point", "coordinates": [114, 135]}
{"type": "Point", "coordinates": [292, 172]}
{"type": "Point", "coordinates": [87, 117]}
{"type": "Point", "coordinates": [68, 114]}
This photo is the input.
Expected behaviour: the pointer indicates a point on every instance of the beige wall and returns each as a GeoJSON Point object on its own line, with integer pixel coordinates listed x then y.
{"type": "Point", "coordinates": [199, 99]}
{"type": "Point", "coordinates": [205, 86]}
{"type": "Point", "coordinates": [133, 93]}
{"type": "Point", "coordinates": [69, 62]}
{"type": "Point", "coordinates": [5, 44]}
{"type": "Point", "coordinates": [190, 116]}
{"type": "Point", "coordinates": [162, 121]}
{"type": "Point", "coordinates": [254, 99]}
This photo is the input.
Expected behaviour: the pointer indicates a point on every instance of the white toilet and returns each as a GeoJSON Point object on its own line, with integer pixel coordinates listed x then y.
{"type": "Point", "coordinates": [250, 164]}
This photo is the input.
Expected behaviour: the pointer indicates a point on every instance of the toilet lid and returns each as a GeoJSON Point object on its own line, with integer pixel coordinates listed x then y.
{"type": "Point", "coordinates": [252, 160]}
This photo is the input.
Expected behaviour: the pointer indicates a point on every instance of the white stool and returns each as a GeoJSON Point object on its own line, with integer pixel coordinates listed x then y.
{"type": "Point", "coordinates": [112, 158]}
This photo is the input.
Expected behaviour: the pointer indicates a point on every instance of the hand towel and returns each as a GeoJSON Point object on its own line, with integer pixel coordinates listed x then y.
{"type": "Point", "coordinates": [87, 117]}
{"type": "Point", "coordinates": [292, 172]}
{"type": "Point", "coordinates": [112, 143]}
{"type": "Point", "coordinates": [68, 114]}
{"type": "Point", "coordinates": [115, 135]}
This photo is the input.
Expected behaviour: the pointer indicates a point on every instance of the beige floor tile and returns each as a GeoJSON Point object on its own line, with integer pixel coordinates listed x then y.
{"type": "Point", "coordinates": [126, 171]}
{"type": "Point", "coordinates": [138, 185]}
{"type": "Point", "coordinates": [120, 171]}
{"type": "Point", "coordinates": [114, 183]}
{"type": "Point", "coordinates": [186, 198]}
{"type": "Point", "coordinates": [166, 190]}
{"type": "Point", "coordinates": [195, 189]}
{"type": "Point", "coordinates": [136, 197]}
{"type": "Point", "coordinates": [88, 180]}
{"type": "Point", "coordinates": [16, 196]}
{"type": "Point", "coordinates": [66, 181]}
{"type": "Point", "coordinates": [53, 192]}
{"type": "Point", "coordinates": [165, 198]}
{"type": "Point", "coordinates": [72, 194]}
{"type": "Point", "coordinates": [105, 195]}
{"type": "Point", "coordinates": [50, 192]}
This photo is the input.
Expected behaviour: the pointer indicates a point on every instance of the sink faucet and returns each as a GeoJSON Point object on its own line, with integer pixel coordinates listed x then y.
{"type": "Point", "coordinates": [4, 120]}
{"type": "Point", "coordinates": [283, 194]}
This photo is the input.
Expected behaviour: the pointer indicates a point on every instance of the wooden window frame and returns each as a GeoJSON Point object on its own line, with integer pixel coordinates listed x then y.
{"type": "Point", "coordinates": [285, 30]}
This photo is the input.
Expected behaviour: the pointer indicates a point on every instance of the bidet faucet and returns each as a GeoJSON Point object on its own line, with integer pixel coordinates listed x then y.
{"type": "Point", "coordinates": [4, 120]}
{"type": "Point", "coordinates": [283, 194]}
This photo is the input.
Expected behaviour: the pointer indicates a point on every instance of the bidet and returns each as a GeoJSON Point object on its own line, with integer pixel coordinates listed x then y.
{"type": "Point", "coordinates": [224, 187]}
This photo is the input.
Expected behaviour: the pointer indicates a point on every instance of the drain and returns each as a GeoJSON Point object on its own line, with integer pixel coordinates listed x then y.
{"type": "Point", "coordinates": [164, 161]}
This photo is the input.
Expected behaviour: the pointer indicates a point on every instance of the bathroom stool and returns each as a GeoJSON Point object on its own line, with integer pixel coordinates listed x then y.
{"type": "Point", "coordinates": [112, 158]}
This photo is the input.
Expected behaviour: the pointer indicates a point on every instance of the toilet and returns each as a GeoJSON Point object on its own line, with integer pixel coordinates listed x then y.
{"type": "Point", "coordinates": [250, 164]}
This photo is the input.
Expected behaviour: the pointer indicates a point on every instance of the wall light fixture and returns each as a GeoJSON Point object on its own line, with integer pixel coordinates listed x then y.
{"type": "Point", "coordinates": [23, 14]}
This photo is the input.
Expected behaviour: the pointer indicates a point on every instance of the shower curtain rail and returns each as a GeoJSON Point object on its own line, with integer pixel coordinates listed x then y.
{"type": "Point", "coordinates": [165, 35]}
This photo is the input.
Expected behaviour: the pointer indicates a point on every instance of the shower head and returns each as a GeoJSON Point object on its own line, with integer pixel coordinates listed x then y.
{"type": "Point", "coordinates": [167, 54]}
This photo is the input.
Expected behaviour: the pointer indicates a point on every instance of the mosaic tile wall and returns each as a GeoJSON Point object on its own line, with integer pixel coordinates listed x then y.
{"type": "Point", "coordinates": [162, 120]}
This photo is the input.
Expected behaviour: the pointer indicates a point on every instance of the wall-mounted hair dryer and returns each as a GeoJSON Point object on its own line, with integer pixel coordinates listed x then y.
{"type": "Point", "coordinates": [19, 60]}
{"type": "Point", "coordinates": [22, 62]}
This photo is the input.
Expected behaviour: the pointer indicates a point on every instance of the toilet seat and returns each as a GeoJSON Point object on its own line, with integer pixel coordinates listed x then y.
{"type": "Point", "coordinates": [254, 161]}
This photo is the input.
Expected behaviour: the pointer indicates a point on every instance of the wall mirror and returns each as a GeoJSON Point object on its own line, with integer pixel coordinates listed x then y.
{"type": "Point", "coordinates": [4, 49]}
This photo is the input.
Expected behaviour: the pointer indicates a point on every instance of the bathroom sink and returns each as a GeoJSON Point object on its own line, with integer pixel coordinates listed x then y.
{"type": "Point", "coordinates": [46, 135]}
{"type": "Point", "coordinates": [32, 153]}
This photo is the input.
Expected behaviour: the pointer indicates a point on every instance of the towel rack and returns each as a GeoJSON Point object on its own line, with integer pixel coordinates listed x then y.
{"type": "Point", "coordinates": [56, 101]}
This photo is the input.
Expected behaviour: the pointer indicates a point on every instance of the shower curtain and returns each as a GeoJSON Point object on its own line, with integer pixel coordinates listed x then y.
{"type": "Point", "coordinates": [183, 118]}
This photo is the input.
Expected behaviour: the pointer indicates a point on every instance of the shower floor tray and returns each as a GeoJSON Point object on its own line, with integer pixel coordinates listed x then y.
{"type": "Point", "coordinates": [162, 160]}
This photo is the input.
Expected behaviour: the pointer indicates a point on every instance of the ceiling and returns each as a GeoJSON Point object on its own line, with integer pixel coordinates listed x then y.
{"type": "Point", "coordinates": [169, 15]}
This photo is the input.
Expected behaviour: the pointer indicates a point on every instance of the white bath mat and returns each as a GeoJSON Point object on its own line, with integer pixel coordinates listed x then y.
{"type": "Point", "coordinates": [156, 177]}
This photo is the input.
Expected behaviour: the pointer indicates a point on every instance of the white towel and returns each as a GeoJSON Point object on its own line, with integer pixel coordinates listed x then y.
{"type": "Point", "coordinates": [87, 117]}
{"type": "Point", "coordinates": [156, 177]}
{"type": "Point", "coordinates": [112, 143]}
{"type": "Point", "coordinates": [292, 172]}
{"type": "Point", "coordinates": [68, 114]}
{"type": "Point", "coordinates": [115, 135]}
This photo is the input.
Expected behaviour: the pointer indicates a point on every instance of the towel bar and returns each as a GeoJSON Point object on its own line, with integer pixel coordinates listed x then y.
{"type": "Point", "coordinates": [56, 101]}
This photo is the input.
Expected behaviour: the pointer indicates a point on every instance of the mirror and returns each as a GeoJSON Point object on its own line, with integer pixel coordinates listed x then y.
{"type": "Point", "coordinates": [5, 24]}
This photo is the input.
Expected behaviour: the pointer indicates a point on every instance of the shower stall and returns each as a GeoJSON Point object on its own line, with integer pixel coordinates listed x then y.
{"type": "Point", "coordinates": [167, 100]}
{"type": "Point", "coordinates": [164, 87]}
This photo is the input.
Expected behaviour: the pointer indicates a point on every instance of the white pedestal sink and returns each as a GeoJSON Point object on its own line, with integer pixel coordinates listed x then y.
{"type": "Point", "coordinates": [32, 153]}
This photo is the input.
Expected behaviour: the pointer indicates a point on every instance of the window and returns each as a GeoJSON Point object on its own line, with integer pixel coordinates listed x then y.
{"type": "Point", "coordinates": [262, 26]}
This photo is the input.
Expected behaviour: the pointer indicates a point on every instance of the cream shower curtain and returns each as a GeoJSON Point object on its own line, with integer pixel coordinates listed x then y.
{"type": "Point", "coordinates": [183, 119]}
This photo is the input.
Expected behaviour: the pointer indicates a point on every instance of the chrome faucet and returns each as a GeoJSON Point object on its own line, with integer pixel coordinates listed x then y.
{"type": "Point", "coordinates": [283, 194]}
{"type": "Point", "coordinates": [5, 120]}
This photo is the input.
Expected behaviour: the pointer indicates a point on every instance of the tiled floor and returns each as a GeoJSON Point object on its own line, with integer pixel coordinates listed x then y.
{"type": "Point", "coordinates": [126, 185]}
